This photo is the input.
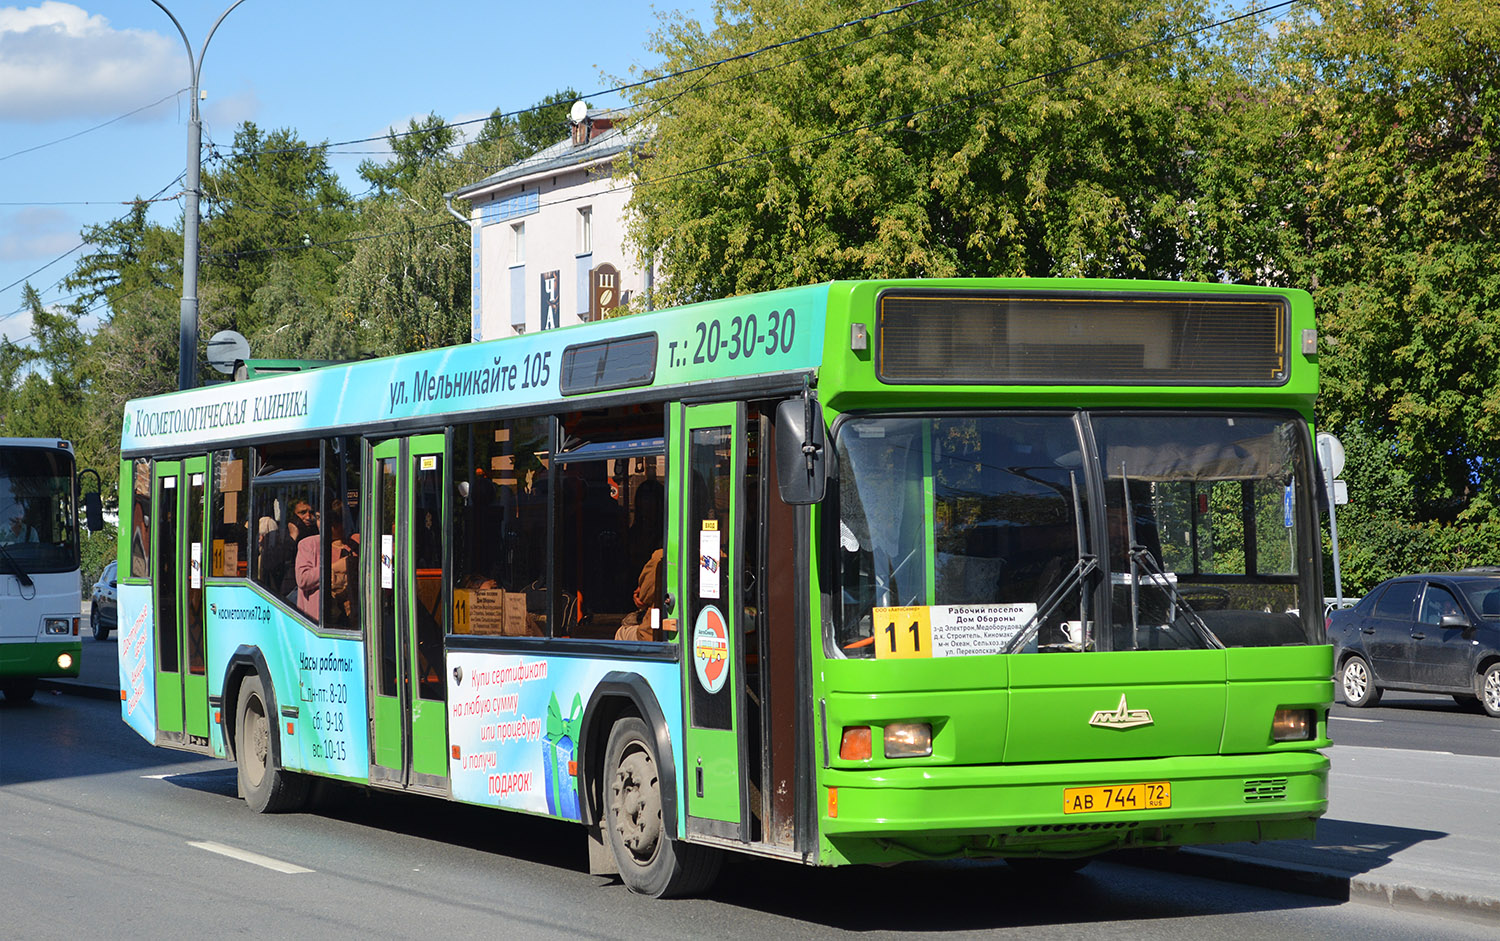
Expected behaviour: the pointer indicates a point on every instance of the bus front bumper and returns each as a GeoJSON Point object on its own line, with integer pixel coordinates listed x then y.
{"type": "Point", "coordinates": [891, 815]}
{"type": "Point", "coordinates": [33, 659]}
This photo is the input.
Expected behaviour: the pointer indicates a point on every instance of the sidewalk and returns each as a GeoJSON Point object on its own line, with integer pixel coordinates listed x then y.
{"type": "Point", "coordinates": [1441, 859]}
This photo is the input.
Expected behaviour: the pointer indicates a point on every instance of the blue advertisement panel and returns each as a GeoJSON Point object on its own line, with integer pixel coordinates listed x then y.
{"type": "Point", "coordinates": [514, 722]}
{"type": "Point", "coordinates": [137, 654]}
{"type": "Point", "coordinates": [768, 333]}
{"type": "Point", "coordinates": [318, 681]}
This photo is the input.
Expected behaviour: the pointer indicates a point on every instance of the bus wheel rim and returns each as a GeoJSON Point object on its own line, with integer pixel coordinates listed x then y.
{"type": "Point", "coordinates": [636, 803]}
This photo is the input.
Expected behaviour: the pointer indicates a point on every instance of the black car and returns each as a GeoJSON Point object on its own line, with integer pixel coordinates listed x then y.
{"type": "Point", "coordinates": [1437, 633]}
{"type": "Point", "coordinates": [102, 608]}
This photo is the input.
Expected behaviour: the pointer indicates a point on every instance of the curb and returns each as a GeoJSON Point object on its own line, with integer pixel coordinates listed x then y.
{"type": "Point", "coordinates": [1320, 883]}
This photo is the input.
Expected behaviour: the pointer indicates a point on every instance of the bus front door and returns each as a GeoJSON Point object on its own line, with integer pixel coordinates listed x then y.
{"type": "Point", "coordinates": [403, 628]}
{"type": "Point", "coordinates": [177, 598]}
{"type": "Point", "coordinates": [705, 522]}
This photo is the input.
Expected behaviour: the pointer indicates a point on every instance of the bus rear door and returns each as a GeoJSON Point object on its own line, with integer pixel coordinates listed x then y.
{"type": "Point", "coordinates": [404, 626]}
{"type": "Point", "coordinates": [181, 678]}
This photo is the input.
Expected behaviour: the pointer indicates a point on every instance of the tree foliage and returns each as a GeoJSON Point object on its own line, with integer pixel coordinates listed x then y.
{"type": "Point", "coordinates": [1015, 138]}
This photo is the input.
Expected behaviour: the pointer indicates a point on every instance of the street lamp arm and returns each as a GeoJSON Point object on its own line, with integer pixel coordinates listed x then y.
{"type": "Point", "coordinates": [192, 62]}
{"type": "Point", "coordinates": [215, 28]}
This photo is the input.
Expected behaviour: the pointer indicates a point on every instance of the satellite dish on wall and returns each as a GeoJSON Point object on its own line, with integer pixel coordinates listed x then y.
{"type": "Point", "coordinates": [579, 112]}
{"type": "Point", "coordinates": [226, 348]}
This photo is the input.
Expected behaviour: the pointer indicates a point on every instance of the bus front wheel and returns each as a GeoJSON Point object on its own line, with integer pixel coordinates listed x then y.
{"type": "Point", "coordinates": [651, 862]}
{"type": "Point", "coordinates": [266, 787]}
{"type": "Point", "coordinates": [19, 690]}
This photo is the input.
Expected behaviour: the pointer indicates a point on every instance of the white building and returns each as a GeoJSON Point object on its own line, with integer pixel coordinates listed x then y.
{"type": "Point", "coordinates": [548, 234]}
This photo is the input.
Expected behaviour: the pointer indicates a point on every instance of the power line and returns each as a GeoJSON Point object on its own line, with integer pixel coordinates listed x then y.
{"type": "Point", "coordinates": [618, 89]}
{"type": "Point", "coordinates": [94, 128]}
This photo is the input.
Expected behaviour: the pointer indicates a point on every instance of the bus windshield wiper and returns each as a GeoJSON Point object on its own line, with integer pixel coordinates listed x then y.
{"type": "Point", "coordinates": [1086, 563]}
{"type": "Point", "coordinates": [1142, 556]}
{"type": "Point", "coordinates": [15, 568]}
{"type": "Point", "coordinates": [1076, 574]}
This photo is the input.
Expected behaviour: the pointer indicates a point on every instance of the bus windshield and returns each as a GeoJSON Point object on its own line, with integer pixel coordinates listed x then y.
{"type": "Point", "coordinates": [995, 533]}
{"type": "Point", "coordinates": [38, 526]}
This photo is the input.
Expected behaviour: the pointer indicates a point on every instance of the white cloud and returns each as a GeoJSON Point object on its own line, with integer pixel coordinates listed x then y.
{"type": "Point", "coordinates": [58, 62]}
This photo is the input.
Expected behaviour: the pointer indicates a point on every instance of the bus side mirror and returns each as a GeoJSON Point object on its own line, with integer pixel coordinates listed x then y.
{"type": "Point", "coordinates": [93, 512]}
{"type": "Point", "coordinates": [803, 464]}
{"type": "Point", "coordinates": [93, 504]}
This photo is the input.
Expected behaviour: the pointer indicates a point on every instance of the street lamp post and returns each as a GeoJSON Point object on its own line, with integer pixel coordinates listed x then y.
{"type": "Point", "coordinates": [187, 342]}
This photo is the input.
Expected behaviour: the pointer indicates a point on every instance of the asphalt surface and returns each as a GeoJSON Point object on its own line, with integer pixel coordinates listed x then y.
{"type": "Point", "coordinates": [1407, 829]}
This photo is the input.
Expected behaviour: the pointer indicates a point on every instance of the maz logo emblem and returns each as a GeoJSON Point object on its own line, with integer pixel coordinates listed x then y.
{"type": "Point", "coordinates": [1122, 718]}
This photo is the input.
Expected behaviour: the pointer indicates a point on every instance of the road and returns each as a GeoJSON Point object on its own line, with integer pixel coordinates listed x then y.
{"type": "Point", "coordinates": [102, 835]}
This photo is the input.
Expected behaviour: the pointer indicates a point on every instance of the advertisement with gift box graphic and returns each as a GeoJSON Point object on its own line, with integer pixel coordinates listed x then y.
{"type": "Point", "coordinates": [514, 723]}
{"type": "Point", "coordinates": [558, 757]}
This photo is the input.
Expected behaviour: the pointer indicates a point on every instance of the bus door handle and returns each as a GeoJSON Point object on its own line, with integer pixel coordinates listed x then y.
{"type": "Point", "coordinates": [668, 603]}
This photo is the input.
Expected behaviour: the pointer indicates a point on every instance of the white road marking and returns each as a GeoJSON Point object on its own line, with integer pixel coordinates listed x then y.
{"type": "Point", "coordinates": [1352, 719]}
{"type": "Point", "coordinates": [245, 856]}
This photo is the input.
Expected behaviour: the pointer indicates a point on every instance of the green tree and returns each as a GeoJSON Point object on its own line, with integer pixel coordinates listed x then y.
{"type": "Point", "coordinates": [1397, 151]}
{"type": "Point", "coordinates": [969, 140]}
{"type": "Point", "coordinates": [406, 283]}
{"type": "Point", "coordinates": [273, 202]}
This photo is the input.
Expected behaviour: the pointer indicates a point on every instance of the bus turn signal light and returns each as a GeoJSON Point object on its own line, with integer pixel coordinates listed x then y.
{"type": "Point", "coordinates": [908, 740]}
{"type": "Point", "coordinates": [855, 745]}
{"type": "Point", "coordinates": [1293, 725]}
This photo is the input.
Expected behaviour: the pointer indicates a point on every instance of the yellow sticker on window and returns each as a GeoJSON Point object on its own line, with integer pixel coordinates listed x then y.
{"type": "Point", "coordinates": [903, 633]}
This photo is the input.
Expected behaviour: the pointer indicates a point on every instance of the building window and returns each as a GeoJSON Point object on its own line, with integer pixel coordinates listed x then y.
{"type": "Point", "coordinates": [586, 230]}
{"type": "Point", "coordinates": [518, 244]}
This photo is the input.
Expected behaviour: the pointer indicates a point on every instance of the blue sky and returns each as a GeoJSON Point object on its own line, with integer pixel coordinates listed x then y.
{"type": "Point", "coordinates": [334, 71]}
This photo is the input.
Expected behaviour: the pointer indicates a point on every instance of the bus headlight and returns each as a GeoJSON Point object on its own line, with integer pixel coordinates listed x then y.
{"type": "Point", "coordinates": [64, 661]}
{"type": "Point", "coordinates": [1294, 725]}
{"type": "Point", "coordinates": [55, 625]}
{"type": "Point", "coordinates": [908, 740]}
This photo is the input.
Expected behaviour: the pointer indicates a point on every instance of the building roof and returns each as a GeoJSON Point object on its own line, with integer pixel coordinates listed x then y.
{"type": "Point", "coordinates": [564, 155]}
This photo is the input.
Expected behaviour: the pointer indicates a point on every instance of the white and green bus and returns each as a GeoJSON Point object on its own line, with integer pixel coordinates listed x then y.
{"type": "Point", "coordinates": [39, 560]}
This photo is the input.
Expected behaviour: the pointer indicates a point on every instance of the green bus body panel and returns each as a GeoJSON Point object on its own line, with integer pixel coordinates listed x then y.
{"type": "Point", "coordinates": [847, 381]}
{"type": "Point", "coordinates": [913, 813]}
{"type": "Point", "coordinates": [29, 659]}
{"type": "Point", "coordinates": [1011, 732]}
{"type": "Point", "coordinates": [386, 730]}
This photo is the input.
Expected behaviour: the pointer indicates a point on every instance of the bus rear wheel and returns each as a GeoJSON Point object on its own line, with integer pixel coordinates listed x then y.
{"type": "Point", "coordinates": [266, 787]}
{"type": "Point", "coordinates": [651, 862]}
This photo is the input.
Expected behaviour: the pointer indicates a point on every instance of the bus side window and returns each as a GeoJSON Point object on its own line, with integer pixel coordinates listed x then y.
{"type": "Point", "coordinates": [140, 519]}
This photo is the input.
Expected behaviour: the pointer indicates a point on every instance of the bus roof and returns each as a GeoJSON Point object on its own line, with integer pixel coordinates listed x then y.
{"type": "Point", "coordinates": [759, 339]}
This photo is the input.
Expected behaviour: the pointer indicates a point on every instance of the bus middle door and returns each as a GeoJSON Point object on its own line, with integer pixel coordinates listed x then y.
{"type": "Point", "coordinates": [177, 586]}
{"type": "Point", "coordinates": [705, 519]}
{"type": "Point", "coordinates": [404, 627]}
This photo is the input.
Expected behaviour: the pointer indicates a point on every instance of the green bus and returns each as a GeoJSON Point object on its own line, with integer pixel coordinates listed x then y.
{"type": "Point", "coordinates": [859, 572]}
